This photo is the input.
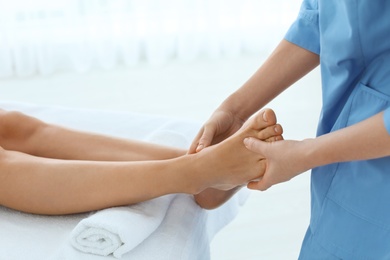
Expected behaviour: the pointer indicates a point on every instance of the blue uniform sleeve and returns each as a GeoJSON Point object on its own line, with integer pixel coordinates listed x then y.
{"type": "Point", "coordinates": [304, 32]}
{"type": "Point", "coordinates": [386, 119]}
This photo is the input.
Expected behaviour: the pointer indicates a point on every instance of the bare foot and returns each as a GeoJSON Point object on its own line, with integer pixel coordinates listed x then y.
{"type": "Point", "coordinates": [228, 165]}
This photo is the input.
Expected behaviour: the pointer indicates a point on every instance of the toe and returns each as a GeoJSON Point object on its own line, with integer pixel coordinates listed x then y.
{"type": "Point", "coordinates": [269, 116]}
{"type": "Point", "coordinates": [263, 119]}
{"type": "Point", "coordinates": [269, 132]}
{"type": "Point", "coordinates": [274, 138]}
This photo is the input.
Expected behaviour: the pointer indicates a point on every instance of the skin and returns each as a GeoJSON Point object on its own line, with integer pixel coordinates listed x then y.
{"type": "Point", "coordinates": [48, 169]}
{"type": "Point", "coordinates": [288, 158]}
{"type": "Point", "coordinates": [285, 66]}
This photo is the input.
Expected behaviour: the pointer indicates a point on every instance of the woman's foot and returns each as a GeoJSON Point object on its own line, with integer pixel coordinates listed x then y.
{"type": "Point", "coordinates": [211, 198]}
{"type": "Point", "coordinates": [229, 164]}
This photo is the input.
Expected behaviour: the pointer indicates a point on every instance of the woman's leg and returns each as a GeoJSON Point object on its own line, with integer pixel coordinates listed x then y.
{"type": "Point", "coordinates": [26, 134]}
{"type": "Point", "coordinates": [52, 186]}
{"type": "Point", "coordinates": [27, 182]}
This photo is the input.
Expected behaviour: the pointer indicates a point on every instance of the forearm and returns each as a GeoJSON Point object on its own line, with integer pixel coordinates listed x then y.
{"type": "Point", "coordinates": [363, 141]}
{"type": "Point", "coordinates": [287, 64]}
{"type": "Point", "coordinates": [366, 140]}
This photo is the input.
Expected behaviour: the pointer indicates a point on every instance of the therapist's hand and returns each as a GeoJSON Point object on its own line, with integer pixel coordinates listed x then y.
{"type": "Point", "coordinates": [285, 160]}
{"type": "Point", "coordinates": [220, 126]}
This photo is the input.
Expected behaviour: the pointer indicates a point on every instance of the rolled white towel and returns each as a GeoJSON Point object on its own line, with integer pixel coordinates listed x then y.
{"type": "Point", "coordinates": [118, 230]}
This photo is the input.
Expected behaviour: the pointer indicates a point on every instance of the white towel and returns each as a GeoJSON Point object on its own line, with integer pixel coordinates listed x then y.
{"type": "Point", "coordinates": [119, 230]}
{"type": "Point", "coordinates": [184, 233]}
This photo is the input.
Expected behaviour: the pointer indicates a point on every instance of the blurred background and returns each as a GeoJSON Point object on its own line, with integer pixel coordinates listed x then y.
{"type": "Point", "coordinates": [179, 58]}
{"type": "Point", "coordinates": [43, 36]}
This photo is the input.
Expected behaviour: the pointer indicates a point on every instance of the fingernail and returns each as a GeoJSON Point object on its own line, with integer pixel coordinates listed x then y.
{"type": "Point", "coordinates": [265, 116]}
{"type": "Point", "coordinates": [200, 147]}
{"type": "Point", "coordinates": [246, 141]}
{"type": "Point", "coordinates": [276, 129]}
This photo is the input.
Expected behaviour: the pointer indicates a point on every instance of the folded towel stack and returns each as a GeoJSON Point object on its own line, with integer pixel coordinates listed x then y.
{"type": "Point", "coordinates": [119, 230]}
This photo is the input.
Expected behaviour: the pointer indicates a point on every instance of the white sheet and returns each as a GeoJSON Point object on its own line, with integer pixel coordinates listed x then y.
{"type": "Point", "coordinates": [185, 232]}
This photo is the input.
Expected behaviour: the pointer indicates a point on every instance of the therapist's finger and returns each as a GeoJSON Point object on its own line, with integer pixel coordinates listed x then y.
{"type": "Point", "coordinates": [261, 184]}
{"type": "Point", "coordinates": [203, 139]}
{"type": "Point", "coordinates": [195, 142]}
{"type": "Point", "coordinates": [206, 138]}
{"type": "Point", "coordinates": [255, 145]}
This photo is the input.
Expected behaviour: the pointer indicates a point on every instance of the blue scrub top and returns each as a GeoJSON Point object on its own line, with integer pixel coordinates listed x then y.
{"type": "Point", "coordinates": [350, 201]}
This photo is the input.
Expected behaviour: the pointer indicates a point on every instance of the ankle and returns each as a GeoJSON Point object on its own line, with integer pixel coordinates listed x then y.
{"type": "Point", "coordinates": [190, 180]}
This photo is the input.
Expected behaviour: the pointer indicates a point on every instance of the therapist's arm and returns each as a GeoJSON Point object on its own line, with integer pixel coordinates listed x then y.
{"type": "Point", "coordinates": [366, 140]}
{"type": "Point", "coordinates": [287, 64]}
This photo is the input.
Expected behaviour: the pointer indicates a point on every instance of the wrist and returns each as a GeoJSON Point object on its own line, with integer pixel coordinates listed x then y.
{"type": "Point", "coordinates": [236, 106]}
{"type": "Point", "coordinates": [314, 153]}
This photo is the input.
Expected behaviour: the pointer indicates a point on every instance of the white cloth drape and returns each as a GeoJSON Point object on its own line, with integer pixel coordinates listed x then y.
{"type": "Point", "coordinates": [44, 36]}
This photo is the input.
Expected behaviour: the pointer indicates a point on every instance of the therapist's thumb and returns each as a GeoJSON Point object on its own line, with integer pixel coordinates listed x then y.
{"type": "Point", "coordinates": [255, 145]}
{"type": "Point", "coordinates": [258, 146]}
